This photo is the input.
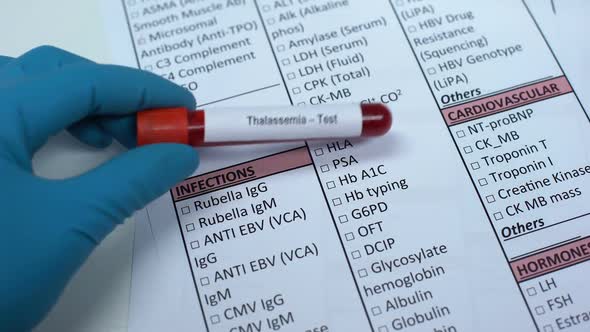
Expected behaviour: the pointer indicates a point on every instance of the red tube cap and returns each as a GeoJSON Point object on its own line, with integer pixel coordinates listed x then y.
{"type": "Point", "coordinates": [168, 125]}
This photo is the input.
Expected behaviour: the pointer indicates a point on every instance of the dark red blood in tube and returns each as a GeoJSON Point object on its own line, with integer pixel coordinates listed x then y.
{"type": "Point", "coordinates": [179, 125]}
{"type": "Point", "coordinates": [376, 119]}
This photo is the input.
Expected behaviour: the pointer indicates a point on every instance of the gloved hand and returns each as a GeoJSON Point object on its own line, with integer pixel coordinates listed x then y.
{"type": "Point", "coordinates": [49, 227]}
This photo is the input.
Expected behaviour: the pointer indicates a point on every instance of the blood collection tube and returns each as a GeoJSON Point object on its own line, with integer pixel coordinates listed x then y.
{"type": "Point", "coordinates": [229, 126]}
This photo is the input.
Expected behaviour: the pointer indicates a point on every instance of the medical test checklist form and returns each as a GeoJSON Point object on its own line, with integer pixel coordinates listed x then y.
{"type": "Point", "coordinates": [472, 214]}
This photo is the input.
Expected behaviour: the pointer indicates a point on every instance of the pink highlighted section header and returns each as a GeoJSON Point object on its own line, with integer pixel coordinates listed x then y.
{"type": "Point", "coordinates": [240, 173]}
{"type": "Point", "coordinates": [506, 100]}
{"type": "Point", "coordinates": [551, 260]}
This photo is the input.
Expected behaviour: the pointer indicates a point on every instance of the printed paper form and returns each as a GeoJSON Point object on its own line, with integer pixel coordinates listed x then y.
{"type": "Point", "coordinates": [470, 215]}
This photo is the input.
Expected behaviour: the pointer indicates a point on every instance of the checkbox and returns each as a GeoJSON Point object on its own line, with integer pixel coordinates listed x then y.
{"type": "Point", "coordinates": [134, 14]}
{"type": "Point", "coordinates": [490, 198]}
{"type": "Point", "coordinates": [411, 29]}
{"type": "Point", "coordinates": [280, 48]}
{"type": "Point", "coordinates": [540, 310]}
{"type": "Point", "coordinates": [349, 236]}
{"type": "Point", "coordinates": [141, 41]}
{"type": "Point", "coordinates": [475, 166]}
{"type": "Point", "coordinates": [185, 210]}
{"type": "Point", "coordinates": [337, 201]}
{"type": "Point", "coordinates": [324, 168]}
{"type": "Point", "coordinates": [498, 216]}
{"type": "Point", "coordinates": [460, 133]}
{"type": "Point", "coordinates": [363, 273]}
{"type": "Point", "coordinates": [548, 328]}
{"type": "Point", "coordinates": [286, 62]}
{"type": "Point", "coordinates": [318, 152]}
{"type": "Point", "coordinates": [204, 281]}
{"type": "Point", "coordinates": [215, 319]}
{"type": "Point", "coordinates": [383, 328]}
{"type": "Point", "coordinates": [149, 68]}
{"type": "Point", "coordinates": [195, 245]}
{"type": "Point", "coordinates": [331, 184]}
{"type": "Point", "coordinates": [343, 219]}
{"type": "Point", "coordinates": [482, 182]}
{"type": "Point", "coordinates": [271, 21]}
{"type": "Point", "coordinates": [399, 2]}
{"type": "Point", "coordinates": [266, 8]}
{"type": "Point", "coordinates": [376, 311]}
{"type": "Point", "coordinates": [355, 254]}
{"type": "Point", "coordinates": [290, 76]}
{"type": "Point", "coordinates": [468, 149]}
{"type": "Point", "coordinates": [531, 291]}
{"type": "Point", "coordinates": [296, 90]}
{"type": "Point", "coordinates": [431, 71]}
{"type": "Point", "coordinates": [190, 227]}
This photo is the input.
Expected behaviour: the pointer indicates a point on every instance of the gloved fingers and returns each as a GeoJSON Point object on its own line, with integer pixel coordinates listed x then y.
{"type": "Point", "coordinates": [90, 132]}
{"type": "Point", "coordinates": [38, 61]}
{"type": "Point", "coordinates": [60, 99]}
{"type": "Point", "coordinates": [122, 128]}
{"type": "Point", "coordinates": [128, 183]}
{"type": "Point", "coordinates": [4, 60]}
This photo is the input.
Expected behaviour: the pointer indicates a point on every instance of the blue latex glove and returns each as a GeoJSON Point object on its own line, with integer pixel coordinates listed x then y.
{"type": "Point", "coordinates": [49, 227]}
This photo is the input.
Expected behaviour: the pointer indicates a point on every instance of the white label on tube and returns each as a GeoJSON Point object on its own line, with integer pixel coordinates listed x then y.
{"type": "Point", "coordinates": [282, 123]}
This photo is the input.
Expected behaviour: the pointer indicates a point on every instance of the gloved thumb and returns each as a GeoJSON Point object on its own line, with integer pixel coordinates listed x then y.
{"type": "Point", "coordinates": [113, 191]}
